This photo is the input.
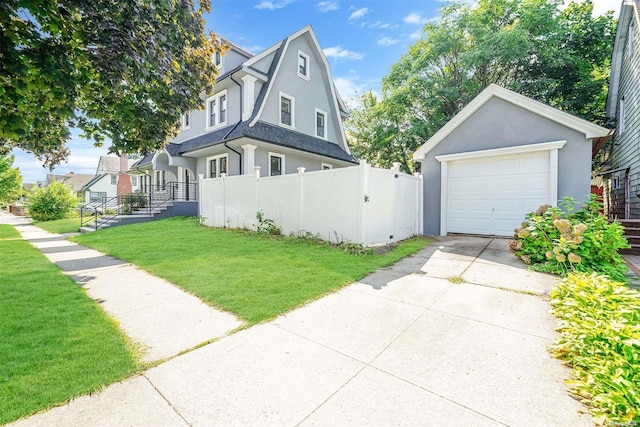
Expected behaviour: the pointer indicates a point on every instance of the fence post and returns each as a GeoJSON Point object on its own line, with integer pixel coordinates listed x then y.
{"type": "Point", "coordinates": [256, 171]}
{"type": "Point", "coordinates": [300, 199]}
{"type": "Point", "coordinates": [200, 200]}
{"type": "Point", "coordinates": [419, 204]}
{"type": "Point", "coordinates": [224, 199]}
{"type": "Point", "coordinates": [364, 198]}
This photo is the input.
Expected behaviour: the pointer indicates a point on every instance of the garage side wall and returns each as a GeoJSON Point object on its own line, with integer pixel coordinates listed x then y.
{"type": "Point", "coordinates": [501, 124]}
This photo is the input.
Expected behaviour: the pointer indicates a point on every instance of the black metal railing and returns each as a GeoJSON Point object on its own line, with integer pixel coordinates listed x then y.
{"type": "Point", "coordinates": [144, 201]}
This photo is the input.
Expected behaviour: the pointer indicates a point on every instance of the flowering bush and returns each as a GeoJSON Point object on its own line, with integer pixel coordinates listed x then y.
{"type": "Point", "coordinates": [559, 240]}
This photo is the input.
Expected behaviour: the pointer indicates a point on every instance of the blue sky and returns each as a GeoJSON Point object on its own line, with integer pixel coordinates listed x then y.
{"type": "Point", "coordinates": [361, 39]}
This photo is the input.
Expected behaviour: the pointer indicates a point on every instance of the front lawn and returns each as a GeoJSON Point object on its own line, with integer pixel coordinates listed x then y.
{"type": "Point", "coordinates": [8, 232]}
{"type": "Point", "coordinates": [254, 276]}
{"type": "Point", "coordinates": [60, 226]}
{"type": "Point", "coordinates": [55, 342]}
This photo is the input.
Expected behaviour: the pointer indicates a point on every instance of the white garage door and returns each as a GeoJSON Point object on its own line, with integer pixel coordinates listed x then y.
{"type": "Point", "coordinates": [491, 195]}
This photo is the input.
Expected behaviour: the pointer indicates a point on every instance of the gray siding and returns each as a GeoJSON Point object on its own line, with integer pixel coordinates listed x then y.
{"type": "Point", "coordinates": [500, 124]}
{"type": "Point", "coordinates": [309, 94]}
{"type": "Point", "coordinates": [625, 151]}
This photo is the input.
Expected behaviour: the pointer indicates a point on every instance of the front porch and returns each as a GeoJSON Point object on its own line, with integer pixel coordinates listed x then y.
{"type": "Point", "coordinates": [150, 202]}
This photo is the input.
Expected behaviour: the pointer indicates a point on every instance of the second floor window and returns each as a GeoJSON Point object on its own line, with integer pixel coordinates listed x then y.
{"type": "Point", "coordinates": [114, 179]}
{"type": "Point", "coordinates": [321, 119]}
{"type": "Point", "coordinates": [186, 120]}
{"type": "Point", "coordinates": [286, 110]}
{"type": "Point", "coordinates": [217, 110]}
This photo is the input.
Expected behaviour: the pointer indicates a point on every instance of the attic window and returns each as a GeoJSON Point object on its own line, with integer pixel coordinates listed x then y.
{"type": "Point", "coordinates": [186, 121]}
{"type": "Point", "coordinates": [630, 40]}
{"type": "Point", "coordinates": [303, 65]}
{"type": "Point", "coordinates": [217, 60]}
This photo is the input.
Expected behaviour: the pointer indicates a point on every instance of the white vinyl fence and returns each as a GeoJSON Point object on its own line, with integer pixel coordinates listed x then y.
{"type": "Point", "coordinates": [359, 204]}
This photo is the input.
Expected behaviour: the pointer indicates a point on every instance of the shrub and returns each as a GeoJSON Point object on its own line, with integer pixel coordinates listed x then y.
{"type": "Point", "coordinates": [599, 325]}
{"type": "Point", "coordinates": [133, 201]}
{"type": "Point", "coordinates": [266, 225]}
{"type": "Point", "coordinates": [559, 240]}
{"type": "Point", "coordinates": [55, 201]}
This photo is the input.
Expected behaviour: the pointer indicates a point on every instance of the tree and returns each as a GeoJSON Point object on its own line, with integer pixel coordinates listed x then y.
{"type": "Point", "coordinates": [559, 57]}
{"type": "Point", "coordinates": [124, 70]}
{"type": "Point", "coordinates": [10, 180]}
{"type": "Point", "coordinates": [54, 201]}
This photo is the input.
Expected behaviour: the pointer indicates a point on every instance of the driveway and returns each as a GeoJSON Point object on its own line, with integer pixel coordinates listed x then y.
{"type": "Point", "coordinates": [455, 335]}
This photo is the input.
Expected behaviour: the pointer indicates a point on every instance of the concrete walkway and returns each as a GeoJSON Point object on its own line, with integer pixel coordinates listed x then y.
{"type": "Point", "coordinates": [160, 318]}
{"type": "Point", "coordinates": [404, 346]}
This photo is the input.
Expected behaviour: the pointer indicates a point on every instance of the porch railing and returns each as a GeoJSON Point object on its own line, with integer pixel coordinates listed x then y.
{"type": "Point", "coordinates": [143, 201]}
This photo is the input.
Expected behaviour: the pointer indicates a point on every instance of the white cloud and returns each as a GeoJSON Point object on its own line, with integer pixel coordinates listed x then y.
{"type": "Point", "coordinates": [386, 41]}
{"type": "Point", "coordinates": [271, 5]}
{"type": "Point", "coordinates": [413, 18]}
{"type": "Point", "coordinates": [381, 25]}
{"type": "Point", "coordinates": [339, 53]}
{"type": "Point", "coordinates": [327, 6]}
{"type": "Point", "coordinates": [358, 13]}
{"type": "Point", "coordinates": [415, 35]}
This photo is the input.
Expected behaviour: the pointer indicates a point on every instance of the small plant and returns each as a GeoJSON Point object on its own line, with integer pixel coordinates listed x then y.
{"type": "Point", "coordinates": [133, 201]}
{"type": "Point", "coordinates": [559, 240]}
{"type": "Point", "coordinates": [599, 325]}
{"type": "Point", "coordinates": [266, 225]}
{"type": "Point", "coordinates": [356, 249]}
{"type": "Point", "coordinates": [456, 280]}
{"type": "Point", "coordinates": [55, 201]}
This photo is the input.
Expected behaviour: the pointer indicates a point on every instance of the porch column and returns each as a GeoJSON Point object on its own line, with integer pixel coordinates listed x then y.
{"type": "Point", "coordinates": [248, 96]}
{"type": "Point", "coordinates": [249, 158]}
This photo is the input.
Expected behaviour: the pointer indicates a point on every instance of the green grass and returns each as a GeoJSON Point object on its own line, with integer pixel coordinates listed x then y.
{"type": "Point", "coordinates": [60, 226]}
{"type": "Point", "coordinates": [253, 276]}
{"type": "Point", "coordinates": [8, 232]}
{"type": "Point", "coordinates": [55, 342]}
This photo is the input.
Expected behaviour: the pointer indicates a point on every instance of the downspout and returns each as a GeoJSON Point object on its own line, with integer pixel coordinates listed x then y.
{"type": "Point", "coordinates": [236, 125]}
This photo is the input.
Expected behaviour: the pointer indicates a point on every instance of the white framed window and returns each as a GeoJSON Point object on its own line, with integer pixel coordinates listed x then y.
{"type": "Point", "coordinates": [134, 180]}
{"type": "Point", "coordinates": [617, 180]}
{"type": "Point", "coordinates": [186, 121]}
{"type": "Point", "coordinates": [303, 65]}
{"type": "Point", "coordinates": [630, 40]}
{"type": "Point", "coordinates": [218, 61]}
{"type": "Point", "coordinates": [217, 110]}
{"type": "Point", "coordinates": [327, 166]}
{"type": "Point", "coordinates": [321, 124]}
{"type": "Point", "coordinates": [287, 110]}
{"type": "Point", "coordinates": [276, 164]}
{"type": "Point", "coordinates": [621, 123]}
{"type": "Point", "coordinates": [217, 165]}
{"type": "Point", "coordinates": [114, 179]}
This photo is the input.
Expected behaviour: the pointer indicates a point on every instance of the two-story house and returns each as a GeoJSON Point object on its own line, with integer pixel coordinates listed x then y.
{"type": "Point", "coordinates": [621, 179]}
{"type": "Point", "coordinates": [104, 184]}
{"type": "Point", "coordinates": [272, 112]}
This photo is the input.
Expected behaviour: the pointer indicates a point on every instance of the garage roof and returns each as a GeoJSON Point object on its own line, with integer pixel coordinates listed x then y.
{"type": "Point", "coordinates": [589, 129]}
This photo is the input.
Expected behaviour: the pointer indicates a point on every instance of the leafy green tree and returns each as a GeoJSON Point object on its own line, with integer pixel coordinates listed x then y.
{"type": "Point", "coordinates": [558, 56]}
{"type": "Point", "coordinates": [125, 70]}
{"type": "Point", "coordinates": [54, 201]}
{"type": "Point", "coordinates": [10, 180]}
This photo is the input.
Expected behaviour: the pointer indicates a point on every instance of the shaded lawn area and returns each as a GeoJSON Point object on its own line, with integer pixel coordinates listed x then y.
{"type": "Point", "coordinates": [60, 226]}
{"type": "Point", "coordinates": [254, 276]}
{"type": "Point", "coordinates": [55, 342]}
{"type": "Point", "coordinates": [8, 232]}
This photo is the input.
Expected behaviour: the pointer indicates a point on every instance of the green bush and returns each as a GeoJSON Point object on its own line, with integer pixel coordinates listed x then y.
{"type": "Point", "coordinates": [133, 201]}
{"type": "Point", "coordinates": [55, 201]}
{"type": "Point", "coordinates": [559, 240]}
{"type": "Point", "coordinates": [599, 325]}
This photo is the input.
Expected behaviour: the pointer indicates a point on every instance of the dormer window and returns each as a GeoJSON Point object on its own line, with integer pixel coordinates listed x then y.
{"type": "Point", "coordinates": [218, 61]}
{"type": "Point", "coordinates": [217, 110]}
{"type": "Point", "coordinates": [303, 65]}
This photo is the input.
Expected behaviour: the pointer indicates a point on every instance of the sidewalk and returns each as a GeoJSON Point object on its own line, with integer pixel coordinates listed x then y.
{"type": "Point", "coordinates": [161, 318]}
{"type": "Point", "coordinates": [408, 345]}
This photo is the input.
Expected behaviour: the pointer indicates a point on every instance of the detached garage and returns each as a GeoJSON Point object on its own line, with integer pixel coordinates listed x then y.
{"type": "Point", "coordinates": [501, 157]}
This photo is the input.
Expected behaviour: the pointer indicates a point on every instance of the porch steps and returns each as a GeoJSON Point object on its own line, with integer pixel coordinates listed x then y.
{"type": "Point", "coordinates": [140, 215]}
{"type": "Point", "coordinates": [632, 234]}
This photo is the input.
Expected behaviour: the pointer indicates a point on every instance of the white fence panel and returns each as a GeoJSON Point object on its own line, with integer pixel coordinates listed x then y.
{"type": "Point", "coordinates": [357, 204]}
{"type": "Point", "coordinates": [331, 204]}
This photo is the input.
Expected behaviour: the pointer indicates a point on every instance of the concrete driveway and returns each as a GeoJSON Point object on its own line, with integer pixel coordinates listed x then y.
{"type": "Point", "coordinates": [409, 345]}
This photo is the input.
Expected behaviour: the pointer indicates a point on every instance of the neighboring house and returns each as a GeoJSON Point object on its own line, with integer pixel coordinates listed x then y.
{"type": "Point", "coordinates": [104, 184]}
{"type": "Point", "coordinates": [77, 181]}
{"type": "Point", "coordinates": [278, 110]}
{"type": "Point", "coordinates": [621, 178]}
{"type": "Point", "coordinates": [500, 157]}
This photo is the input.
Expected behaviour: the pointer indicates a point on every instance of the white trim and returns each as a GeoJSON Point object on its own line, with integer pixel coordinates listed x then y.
{"type": "Point", "coordinates": [589, 129]}
{"type": "Point", "coordinates": [216, 98]}
{"type": "Point", "coordinates": [630, 40]}
{"type": "Point", "coordinates": [217, 159]}
{"type": "Point", "coordinates": [315, 123]}
{"type": "Point", "coordinates": [282, 165]}
{"type": "Point", "coordinates": [326, 166]}
{"type": "Point", "coordinates": [248, 96]}
{"type": "Point", "coordinates": [551, 147]}
{"type": "Point", "coordinates": [518, 149]}
{"type": "Point", "coordinates": [186, 125]}
{"type": "Point", "coordinates": [292, 113]}
{"type": "Point", "coordinates": [307, 63]}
